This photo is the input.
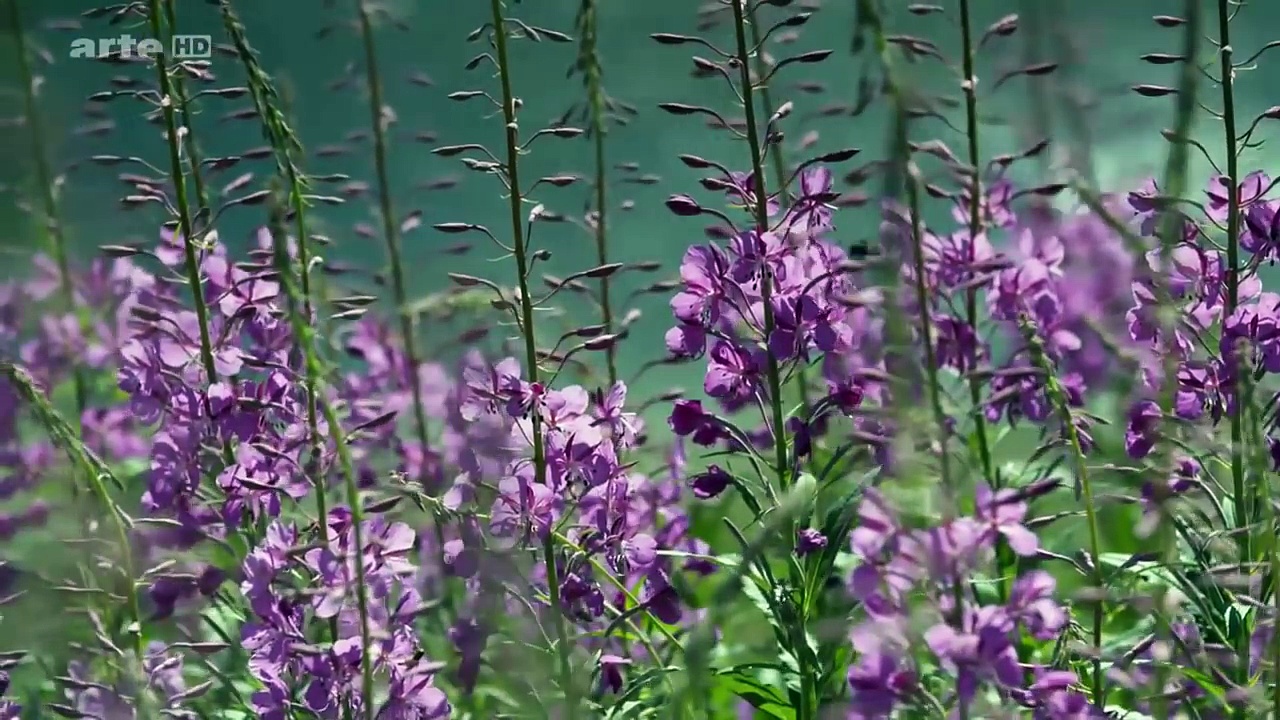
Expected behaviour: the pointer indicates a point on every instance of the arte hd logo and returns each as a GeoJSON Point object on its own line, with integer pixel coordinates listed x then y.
{"type": "Point", "coordinates": [181, 47]}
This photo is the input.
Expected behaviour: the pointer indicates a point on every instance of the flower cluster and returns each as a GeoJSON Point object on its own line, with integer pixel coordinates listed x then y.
{"type": "Point", "coordinates": [286, 586]}
{"type": "Point", "coordinates": [1013, 458]}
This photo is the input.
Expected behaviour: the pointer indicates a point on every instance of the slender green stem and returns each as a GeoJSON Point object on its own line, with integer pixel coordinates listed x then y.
{"type": "Point", "coordinates": [932, 383]}
{"type": "Point", "coordinates": [390, 230]}
{"type": "Point", "coordinates": [1058, 396]}
{"type": "Point", "coordinates": [180, 92]}
{"type": "Point", "coordinates": [1244, 533]}
{"type": "Point", "coordinates": [970, 86]}
{"type": "Point", "coordinates": [169, 90]}
{"type": "Point", "coordinates": [1005, 561]}
{"type": "Point", "coordinates": [178, 176]}
{"type": "Point", "coordinates": [902, 151]}
{"type": "Point", "coordinates": [596, 109]}
{"type": "Point", "coordinates": [808, 686]}
{"type": "Point", "coordinates": [762, 224]}
{"type": "Point", "coordinates": [285, 144]}
{"type": "Point", "coordinates": [57, 241]}
{"type": "Point", "coordinates": [515, 199]}
{"type": "Point", "coordinates": [908, 176]}
{"type": "Point", "coordinates": [44, 177]}
{"type": "Point", "coordinates": [951, 502]}
{"type": "Point", "coordinates": [1259, 467]}
{"type": "Point", "coordinates": [391, 233]}
{"type": "Point", "coordinates": [306, 335]}
{"type": "Point", "coordinates": [1174, 185]}
{"type": "Point", "coordinates": [886, 273]}
{"type": "Point", "coordinates": [779, 166]}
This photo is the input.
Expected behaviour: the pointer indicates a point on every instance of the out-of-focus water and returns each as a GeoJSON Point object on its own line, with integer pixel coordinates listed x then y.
{"type": "Point", "coordinates": [1106, 40]}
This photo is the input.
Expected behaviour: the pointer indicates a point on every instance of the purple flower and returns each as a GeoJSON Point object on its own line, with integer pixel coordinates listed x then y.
{"type": "Point", "coordinates": [687, 417]}
{"type": "Point", "coordinates": [611, 667]}
{"type": "Point", "coordinates": [994, 206]}
{"type": "Point", "coordinates": [609, 412]}
{"type": "Point", "coordinates": [1003, 512]}
{"type": "Point", "coordinates": [703, 272]}
{"type": "Point", "coordinates": [742, 190]}
{"type": "Point", "coordinates": [809, 540]}
{"type": "Point", "coordinates": [877, 683]}
{"type": "Point", "coordinates": [1250, 190]}
{"type": "Point", "coordinates": [810, 214]}
{"type": "Point", "coordinates": [522, 504]}
{"type": "Point", "coordinates": [1052, 697]}
{"type": "Point", "coordinates": [1143, 428]}
{"type": "Point", "coordinates": [733, 373]}
{"type": "Point", "coordinates": [1260, 232]}
{"type": "Point", "coordinates": [795, 321]}
{"type": "Point", "coordinates": [980, 651]}
{"type": "Point", "coordinates": [710, 483]}
{"type": "Point", "coordinates": [1032, 603]}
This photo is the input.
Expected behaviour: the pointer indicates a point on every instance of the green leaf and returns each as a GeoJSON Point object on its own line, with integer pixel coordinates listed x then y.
{"type": "Point", "coordinates": [634, 690]}
{"type": "Point", "coordinates": [765, 698]}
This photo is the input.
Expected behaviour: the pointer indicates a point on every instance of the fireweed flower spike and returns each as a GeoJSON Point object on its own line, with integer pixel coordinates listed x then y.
{"type": "Point", "coordinates": [374, 573]}
{"type": "Point", "coordinates": [975, 225]}
{"type": "Point", "coordinates": [599, 109]}
{"type": "Point", "coordinates": [177, 174]}
{"type": "Point", "coordinates": [752, 308]}
{"type": "Point", "coordinates": [391, 234]}
{"type": "Point", "coordinates": [563, 442]}
{"type": "Point", "coordinates": [286, 146]}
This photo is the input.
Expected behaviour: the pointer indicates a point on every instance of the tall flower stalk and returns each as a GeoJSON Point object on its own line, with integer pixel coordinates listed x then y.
{"type": "Point", "coordinates": [184, 110]}
{"type": "Point", "coordinates": [910, 174]}
{"type": "Point", "coordinates": [589, 65]}
{"type": "Point", "coordinates": [1244, 509]}
{"type": "Point", "coordinates": [747, 89]}
{"type": "Point", "coordinates": [285, 144]}
{"type": "Point", "coordinates": [306, 334]}
{"type": "Point", "coordinates": [1058, 397]}
{"type": "Point", "coordinates": [52, 225]}
{"type": "Point", "coordinates": [761, 68]}
{"type": "Point", "coordinates": [390, 230]}
{"type": "Point", "coordinates": [177, 175]}
{"type": "Point", "coordinates": [522, 257]}
{"type": "Point", "coordinates": [1175, 183]}
{"type": "Point", "coordinates": [969, 84]}
{"type": "Point", "coordinates": [761, 217]}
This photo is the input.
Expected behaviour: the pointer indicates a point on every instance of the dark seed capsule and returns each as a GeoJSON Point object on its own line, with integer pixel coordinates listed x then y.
{"type": "Point", "coordinates": [355, 189]}
{"type": "Point", "coordinates": [444, 183]}
{"type": "Point", "coordinates": [237, 184]}
{"type": "Point", "coordinates": [240, 114]}
{"type": "Point", "coordinates": [97, 129]}
{"type": "Point", "coordinates": [332, 150]}
{"type": "Point", "coordinates": [63, 24]}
